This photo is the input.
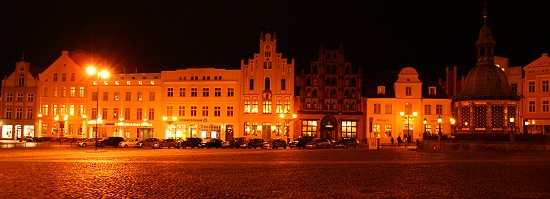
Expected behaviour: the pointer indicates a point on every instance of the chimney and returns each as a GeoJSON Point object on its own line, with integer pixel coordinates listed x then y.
{"type": "Point", "coordinates": [64, 53]}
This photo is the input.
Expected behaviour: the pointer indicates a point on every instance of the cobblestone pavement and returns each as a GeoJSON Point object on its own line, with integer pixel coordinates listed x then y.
{"type": "Point", "coordinates": [69, 172]}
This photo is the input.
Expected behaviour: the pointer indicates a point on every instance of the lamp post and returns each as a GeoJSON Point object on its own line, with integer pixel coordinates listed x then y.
{"type": "Point", "coordinates": [61, 126]}
{"type": "Point", "coordinates": [287, 125]}
{"type": "Point", "coordinates": [439, 120]}
{"type": "Point", "coordinates": [100, 74]}
{"type": "Point", "coordinates": [425, 121]}
{"type": "Point", "coordinates": [170, 124]}
{"type": "Point", "coordinates": [512, 136]}
{"type": "Point", "coordinates": [408, 117]}
{"type": "Point", "coordinates": [453, 121]}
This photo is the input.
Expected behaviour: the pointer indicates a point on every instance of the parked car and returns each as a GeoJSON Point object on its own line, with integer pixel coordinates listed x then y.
{"type": "Point", "coordinates": [190, 142]}
{"type": "Point", "coordinates": [293, 144]}
{"type": "Point", "coordinates": [110, 141]}
{"type": "Point", "coordinates": [346, 143]}
{"type": "Point", "coordinates": [277, 142]}
{"type": "Point", "coordinates": [302, 141]}
{"type": "Point", "coordinates": [256, 143]}
{"type": "Point", "coordinates": [169, 143]}
{"type": "Point", "coordinates": [240, 142]}
{"type": "Point", "coordinates": [319, 143]}
{"type": "Point", "coordinates": [212, 143]}
{"type": "Point", "coordinates": [147, 142]}
{"type": "Point", "coordinates": [128, 143]}
{"type": "Point", "coordinates": [226, 144]}
{"type": "Point", "coordinates": [87, 142]}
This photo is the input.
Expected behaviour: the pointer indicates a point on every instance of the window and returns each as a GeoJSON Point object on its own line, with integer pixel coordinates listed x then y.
{"type": "Point", "coordinates": [545, 106]}
{"type": "Point", "coordinates": [8, 112]}
{"type": "Point", "coordinates": [80, 109]}
{"type": "Point", "coordinates": [18, 113]}
{"type": "Point", "coordinates": [194, 92]}
{"type": "Point", "coordinates": [81, 92]}
{"type": "Point", "coordinates": [254, 106]}
{"type": "Point", "coordinates": [72, 92]}
{"type": "Point", "coordinates": [9, 97]}
{"type": "Point", "coordinates": [514, 87]}
{"type": "Point", "coordinates": [116, 111]}
{"type": "Point", "coordinates": [408, 108]}
{"type": "Point", "coordinates": [287, 105]}
{"type": "Point", "coordinates": [251, 84]}
{"type": "Point", "coordinates": [279, 107]}
{"type": "Point", "coordinates": [531, 86]}
{"type": "Point", "coordinates": [381, 90]}
{"type": "Point", "coordinates": [62, 110]}
{"type": "Point", "coordinates": [266, 106]}
{"type": "Point", "coordinates": [349, 129]}
{"type": "Point", "coordinates": [116, 96]}
{"type": "Point", "coordinates": [388, 109]}
{"type": "Point", "coordinates": [377, 108]}
{"type": "Point", "coordinates": [247, 107]}
{"type": "Point", "coordinates": [19, 97]}
{"type": "Point", "coordinates": [170, 92]}
{"type": "Point", "coordinates": [181, 110]}
{"type": "Point", "coordinates": [545, 86]}
{"type": "Point", "coordinates": [428, 109]}
{"type": "Point", "coordinates": [63, 91]}
{"type": "Point", "coordinates": [71, 110]}
{"type": "Point", "coordinates": [105, 96]}
{"type": "Point", "coordinates": [217, 111]}
{"type": "Point", "coordinates": [21, 80]}
{"type": "Point", "coordinates": [217, 92]}
{"type": "Point", "coordinates": [309, 128]}
{"type": "Point", "coordinates": [30, 97]}
{"type": "Point", "coordinates": [45, 110]}
{"type": "Point", "coordinates": [205, 92]}
{"type": "Point", "coordinates": [182, 92]}
{"type": "Point", "coordinates": [376, 130]}
{"type": "Point", "coordinates": [408, 91]}
{"type": "Point", "coordinates": [94, 96]}
{"type": "Point", "coordinates": [104, 113]}
{"type": "Point", "coordinates": [139, 113]}
{"type": "Point", "coordinates": [54, 109]}
{"type": "Point", "coordinates": [169, 111]}
{"type": "Point", "coordinates": [193, 111]}
{"type": "Point", "coordinates": [128, 96]}
{"type": "Point", "coordinates": [283, 84]}
{"type": "Point", "coordinates": [94, 113]}
{"type": "Point", "coordinates": [127, 113]}
{"type": "Point", "coordinates": [532, 106]}
{"type": "Point", "coordinates": [151, 114]}
{"type": "Point", "coordinates": [29, 113]}
{"type": "Point", "coordinates": [151, 96]}
{"type": "Point", "coordinates": [439, 109]}
{"type": "Point", "coordinates": [431, 90]}
{"type": "Point", "coordinates": [230, 92]}
{"type": "Point", "coordinates": [267, 83]}
{"type": "Point", "coordinates": [73, 77]}
{"type": "Point", "coordinates": [229, 111]}
{"type": "Point", "coordinates": [55, 77]}
{"type": "Point", "coordinates": [387, 130]}
{"type": "Point", "coordinates": [246, 128]}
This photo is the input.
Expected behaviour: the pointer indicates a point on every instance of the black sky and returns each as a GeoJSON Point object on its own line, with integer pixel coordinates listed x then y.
{"type": "Point", "coordinates": [165, 35]}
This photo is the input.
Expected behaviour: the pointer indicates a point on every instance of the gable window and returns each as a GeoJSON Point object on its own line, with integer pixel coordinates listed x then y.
{"type": "Point", "coordinates": [428, 109]}
{"type": "Point", "coordinates": [251, 84]}
{"type": "Point", "coordinates": [267, 83]}
{"type": "Point", "coordinates": [388, 109]}
{"type": "Point", "coordinates": [531, 86]}
{"type": "Point", "coordinates": [381, 90]}
{"type": "Point", "coordinates": [377, 108]}
{"type": "Point", "coordinates": [170, 92]}
{"type": "Point", "coordinates": [431, 90]}
{"type": "Point", "coordinates": [408, 91]}
{"type": "Point", "coordinates": [283, 84]}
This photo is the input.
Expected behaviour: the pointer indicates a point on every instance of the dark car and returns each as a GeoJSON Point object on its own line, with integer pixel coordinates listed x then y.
{"type": "Point", "coordinates": [212, 143]}
{"type": "Point", "coordinates": [147, 142]}
{"type": "Point", "coordinates": [191, 142]}
{"type": "Point", "coordinates": [240, 142]}
{"type": "Point", "coordinates": [110, 141]}
{"type": "Point", "coordinates": [169, 143]}
{"type": "Point", "coordinates": [276, 143]}
{"type": "Point", "coordinates": [347, 143]}
{"type": "Point", "coordinates": [256, 143]}
{"type": "Point", "coordinates": [302, 141]}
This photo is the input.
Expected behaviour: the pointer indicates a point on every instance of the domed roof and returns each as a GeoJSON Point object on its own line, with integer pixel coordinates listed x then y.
{"type": "Point", "coordinates": [487, 81]}
{"type": "Point", "coordinates": [408, 71]}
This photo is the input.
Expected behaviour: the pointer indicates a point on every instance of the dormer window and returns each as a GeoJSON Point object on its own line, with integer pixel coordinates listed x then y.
{"type": "Point", "coordinates": [381, 90]}
{"type": "Point", "coordinates": [432, 90]}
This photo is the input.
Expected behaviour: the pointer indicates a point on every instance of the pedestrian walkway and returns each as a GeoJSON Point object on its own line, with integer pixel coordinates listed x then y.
{"type": "Point", "coordinates": [7, 144]}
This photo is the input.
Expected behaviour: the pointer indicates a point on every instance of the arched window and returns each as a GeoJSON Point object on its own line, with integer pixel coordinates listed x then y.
{"type": "Point", "coordinates": [315, 81]}
{"type": "Point", "coordinates": [308, 106]}
{"type": "Point", "coordinates": [314, 93]}
{"type": "Point", "coordinates": [353, 93]}
{"type": "Point", "coordinates": [346, 107]}
{"type": "Point", "coordinates": [334, 107]}
{"type": "Point", "coordinates": [353, 106]}
{"type": "Point", "coordinates": [315, 106]}
{"type": "Point", "coordinates": [347, 82]}
{"type": "Point", "coordinates": [353, 81]}
{"type": "Point", "coordinates": [327, 81]}
{"type": "Point", "coordinates": [21, 81]}
{"type": "Point", "coordinates": [333, 93]}
{"type": "Point", "coordinates": [308, 92]}
{"type": "Point", "coordinates": [346, 93]}
{"type": "Point", "coordinates": [267, 84]}
{"type": "Point", "coordinates": [327, 106]}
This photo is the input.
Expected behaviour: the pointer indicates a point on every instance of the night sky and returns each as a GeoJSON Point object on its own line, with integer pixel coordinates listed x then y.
{"type": "Point", "coordinates": [166, 35]}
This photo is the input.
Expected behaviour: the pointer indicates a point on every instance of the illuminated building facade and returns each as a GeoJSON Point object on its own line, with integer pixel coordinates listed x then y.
{"type": "Point", "coordinates": [330, 95]}
{"type": "Point", "coordinates": [18, 103]}
{"type": "Point", "coordinates": [398, 103]}
{"type": "Point", "coordinates": [267, 91]}
{"type": "Point", "coordinates": [536, 96]}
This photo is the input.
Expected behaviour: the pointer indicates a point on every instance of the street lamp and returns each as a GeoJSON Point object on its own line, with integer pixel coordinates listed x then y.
{"type": "Point", "coordinates": [453, 121]}
{"type": "Point", "coordinates": [439, 120]}
{"type": "Point", "coordinates": [425, 126]}
{"type": "Point", "coordinates": [61, 126]}
{"type": "Point", "coordinates": [170, 124]}
{"type": "Point", "coordinates": [408, 117]}
{"type": "Point", "coordinates": [512, 136]}
{"type": "Point", "coordinates": [287, 124]}
{"type": "Point", "coordinates": [100, 74]}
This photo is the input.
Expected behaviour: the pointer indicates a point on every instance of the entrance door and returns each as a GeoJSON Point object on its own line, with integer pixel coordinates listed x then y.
{"type": "Point", "coordinates": [229, 132]}
{"type": "Point", "coordinates": [267, 131]}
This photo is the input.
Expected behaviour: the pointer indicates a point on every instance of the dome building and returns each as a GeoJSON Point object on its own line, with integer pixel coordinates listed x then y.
{"type": "Point", "coordinates": [487, 104]}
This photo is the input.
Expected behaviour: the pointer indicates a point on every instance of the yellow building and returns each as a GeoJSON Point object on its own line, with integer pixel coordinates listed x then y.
{"type": "Point", "coordinates": [397, 104]}
{"type": "Point", "coordinates": [267, 91]}
{"type": "Point", "coordinates": [536, 100]}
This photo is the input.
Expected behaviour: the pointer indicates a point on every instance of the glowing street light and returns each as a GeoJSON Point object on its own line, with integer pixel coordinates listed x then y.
{"type": "Point", "coordinates": [439, 120]}
{"type": "Point", "coordinates": [287, 124]}
{"type": "Point", "coordinates": [104, 74]}
{"type": "Point", "coordinates": [172, 131]}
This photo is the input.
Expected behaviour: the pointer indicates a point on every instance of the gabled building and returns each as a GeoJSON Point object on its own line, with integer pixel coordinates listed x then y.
{"type": "Point", "coordinates": [18, 103]}
{"type": "Point", "coordinates": [398, 103]}
{"type": "Point", "coordinates": [536, 96]}
{"type": "Point", "coordinates": [267, 91]}
{"type": "Point", "coordinates": [330, 95]}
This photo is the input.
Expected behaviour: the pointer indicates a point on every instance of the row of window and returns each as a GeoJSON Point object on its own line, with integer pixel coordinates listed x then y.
{"type": "Point", "coordinates": [545, 106]}
{"type": "Point", "coordinates": [408, 107]}
{"type": "Point", "coordinates": [381, 90]}
{"type": "Point", "coordinates": [72, 92]}
{"type": "Point", "coordinates": [330, 106]}
{"type": "Point", "coordinates": [205, 92]}
{"type": "Point", "coordinates": [332, 81]}
{"type": "Point", "coordinates": [64, 77]}
{"type": "Point", "coordinates": [531, 86]}
{"type": "Point", "coordinates": [18, 113]}
{"type": "Point", "coordinates": [251, 106]}
{"type": "Point", "coordinates": [348, 128]}
{"type": "Point", "coordinates": [331, 93]}
{"type": "Point", "coordinates": [267, 84]}
{"type": "Point", "coordinates": [406, 127]}
{"type": "Point", "coordinates": [20, 97]}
